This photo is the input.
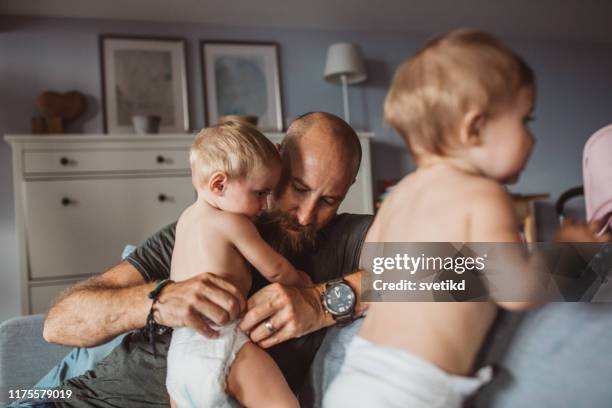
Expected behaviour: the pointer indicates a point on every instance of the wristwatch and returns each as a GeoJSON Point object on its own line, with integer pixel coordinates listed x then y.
{"type": "Point", "coordinates": [338, 299]}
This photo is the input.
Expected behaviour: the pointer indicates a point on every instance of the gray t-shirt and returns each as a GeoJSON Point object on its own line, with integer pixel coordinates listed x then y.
{"type": "Point", "coordinates": [132, 376]}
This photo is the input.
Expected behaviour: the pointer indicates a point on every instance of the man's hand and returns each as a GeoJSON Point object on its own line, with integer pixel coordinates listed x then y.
{"type": "Point", "coordinates": [292, 312]}
{"type": "Point", "coordinates": [198, 302]}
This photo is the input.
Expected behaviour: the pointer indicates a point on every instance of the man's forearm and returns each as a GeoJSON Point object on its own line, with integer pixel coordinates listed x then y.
{"type": "Point", "coordinates": [92, 313]}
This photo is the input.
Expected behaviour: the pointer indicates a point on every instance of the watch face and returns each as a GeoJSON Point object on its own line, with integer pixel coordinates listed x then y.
{"type": "Point", "coordinates": [339, 299]}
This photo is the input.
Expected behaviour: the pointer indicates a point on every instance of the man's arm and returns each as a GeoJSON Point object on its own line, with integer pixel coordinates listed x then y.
{"type": "Point", "coordinates": [104, 306]}
{"type": "Point", "coordinates": [293, 312]}
{"type": "Point", "coordinates": [96, 310]}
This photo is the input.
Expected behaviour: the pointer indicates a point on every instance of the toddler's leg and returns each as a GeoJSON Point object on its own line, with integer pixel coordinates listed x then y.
{"type": "Point", "coordinates": [256, 381]}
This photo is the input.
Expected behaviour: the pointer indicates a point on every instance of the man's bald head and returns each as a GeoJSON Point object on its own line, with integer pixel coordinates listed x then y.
{"type": "Point", "coordinates": [321, 155]}
{"type": "Point", "coordinates": [331, 132]}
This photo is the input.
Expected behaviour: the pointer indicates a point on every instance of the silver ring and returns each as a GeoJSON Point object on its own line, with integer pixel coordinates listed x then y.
{"type": "Point", "coordinates": [268, 325]}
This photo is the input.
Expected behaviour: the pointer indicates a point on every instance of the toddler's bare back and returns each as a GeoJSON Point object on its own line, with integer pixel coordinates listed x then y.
{"type": "Point", "coordinates": [435, 204]}
{"type": "Point", "coordinates": [201, 245]}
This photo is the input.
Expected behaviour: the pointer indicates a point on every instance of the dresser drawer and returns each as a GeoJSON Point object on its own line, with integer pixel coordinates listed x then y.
{"type": "Point", "coordinates": [80, 227]}
{"type": "Point", "coordinates": [87, 161]}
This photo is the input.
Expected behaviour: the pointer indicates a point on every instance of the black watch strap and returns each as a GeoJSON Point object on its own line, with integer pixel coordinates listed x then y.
{"type": "Point", "coordinates": [334, 281]}
{"type": "Point", "coordinates": [345, 319]}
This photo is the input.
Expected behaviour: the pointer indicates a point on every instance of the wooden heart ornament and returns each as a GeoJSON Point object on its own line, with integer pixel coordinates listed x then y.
{"type": "Point", "coordinates": [67, 106]}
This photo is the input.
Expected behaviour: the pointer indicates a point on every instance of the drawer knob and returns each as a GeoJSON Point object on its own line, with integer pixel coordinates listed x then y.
{"type": "Point", "coordinates": [161, 159]}
{"type": "Point", "coordinates": [66, 201]}
{"type": "Point", "coordinates": [162, 197]}
{"type": "Point", "coordinates": [64, 161]}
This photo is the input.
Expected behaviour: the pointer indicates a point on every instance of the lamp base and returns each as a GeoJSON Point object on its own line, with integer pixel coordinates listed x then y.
{"type": "Point", "coordinates": [347, 114]}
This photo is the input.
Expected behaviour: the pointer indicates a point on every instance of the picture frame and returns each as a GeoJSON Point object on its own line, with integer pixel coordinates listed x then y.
{"type": "Point", "coordinates": [242, 78]}
{"type": "Point", "coordinates": [144, 76]}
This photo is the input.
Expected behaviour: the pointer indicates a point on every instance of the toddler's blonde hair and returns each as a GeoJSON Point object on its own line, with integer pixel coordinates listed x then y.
{"type": "Point", "coordinates": [452, 73]}
{"type": "Point", "coordinates": [232, 147]}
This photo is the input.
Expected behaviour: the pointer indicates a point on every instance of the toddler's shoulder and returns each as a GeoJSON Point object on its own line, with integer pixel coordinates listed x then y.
{"type": "Point", "coordinates": [486, 189]}
{"type": "Point", "coordinates": [231, 222]}
{"type": "Point", "coordinates": [492, 217]}
{"type": "Point", "coordinates": [485, 198]}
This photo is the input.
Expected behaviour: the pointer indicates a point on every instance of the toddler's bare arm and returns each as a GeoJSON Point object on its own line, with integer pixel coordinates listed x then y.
{"type": "Point", "coordinates": [273, 266]}
{"type": "Point", "coordinates": [493, 220]}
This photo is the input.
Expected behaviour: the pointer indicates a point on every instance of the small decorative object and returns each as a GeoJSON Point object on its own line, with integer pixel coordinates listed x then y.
{"type": "Point", "coordinates": [242, 78]}
{"type": "Point", "coordinates": [345, 66]}
{"type": "Point", "coordinates": [39, 125]}
{"type": "Point", "coordinates": [249, 120]}
{"type": "Point", "coordinates": [143, 76]}
{"type": "Point", "coordinates": [146, 124]}
{"type": "Point", "coordinates": [56, 109]}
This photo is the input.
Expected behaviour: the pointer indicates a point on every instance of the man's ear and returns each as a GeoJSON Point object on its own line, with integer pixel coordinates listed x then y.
{"type": "Point", "coordinates": [470, 131]}
{"type": "Point", "coordinates": [217, 183]}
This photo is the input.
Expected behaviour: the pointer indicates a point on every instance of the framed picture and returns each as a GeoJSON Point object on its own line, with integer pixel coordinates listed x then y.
{"type": "Point", "coordinates": [143, 76]}
{"type": "Point", "coordinates": [242, 78]}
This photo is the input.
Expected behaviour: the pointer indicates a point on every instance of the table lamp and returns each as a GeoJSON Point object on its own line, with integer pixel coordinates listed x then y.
{"type": "Point", "coordinates": [345, 66]}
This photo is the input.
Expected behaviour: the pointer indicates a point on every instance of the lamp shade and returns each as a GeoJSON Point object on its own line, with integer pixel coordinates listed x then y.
{"type": "Point", "coordinates": [345, 59]}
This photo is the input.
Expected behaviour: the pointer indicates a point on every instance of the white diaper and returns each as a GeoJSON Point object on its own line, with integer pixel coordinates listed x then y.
{"type": "Point", "coordinates": [198, 366]}
{"type": "Point", "coordinates": [386, 377]}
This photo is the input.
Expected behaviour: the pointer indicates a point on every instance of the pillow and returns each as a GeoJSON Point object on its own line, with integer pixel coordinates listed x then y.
{"type": "Point", "coordinates": [80, 360]}
{"type": "Point", "coordinates": [558, 357]}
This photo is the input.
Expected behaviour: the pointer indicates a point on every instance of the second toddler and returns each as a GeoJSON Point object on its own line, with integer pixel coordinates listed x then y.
{"type": "Point", "coordinates": [462, 104]}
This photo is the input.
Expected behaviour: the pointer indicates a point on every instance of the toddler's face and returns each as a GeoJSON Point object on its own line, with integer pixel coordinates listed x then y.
{"type": "Point", "coordinates": [507, 141]}
{"type": "Point", "coordinates": [249, 196]}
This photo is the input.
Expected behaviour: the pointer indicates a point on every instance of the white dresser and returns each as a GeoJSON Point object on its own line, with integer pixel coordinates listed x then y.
{"type": "Point", "coordinates": [79, 199]}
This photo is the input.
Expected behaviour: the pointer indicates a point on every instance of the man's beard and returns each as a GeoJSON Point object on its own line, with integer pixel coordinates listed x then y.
{"type": "Point", "coordinates": [285, 234]}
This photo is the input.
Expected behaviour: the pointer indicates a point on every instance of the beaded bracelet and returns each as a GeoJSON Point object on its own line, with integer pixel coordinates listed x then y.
{"type": "Point", "coordinates": [152, 327]}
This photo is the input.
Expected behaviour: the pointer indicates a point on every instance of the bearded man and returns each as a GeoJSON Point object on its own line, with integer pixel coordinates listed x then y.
{"type": "Point", "coordinates": [321, 155]}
